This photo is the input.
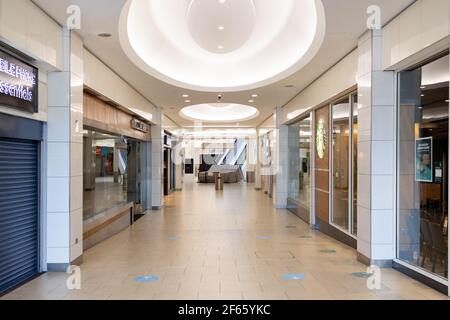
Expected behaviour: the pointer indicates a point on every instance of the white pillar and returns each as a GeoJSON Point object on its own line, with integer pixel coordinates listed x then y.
{"type": "Point", "coordinates": [65, 159]}
{"type": "Point", "coordinates": [258, 161]}
{"type": "Point", "coordinates": [281, 162]}
{"type": "Point", "coordinates": [376, 154]}
{"type": "Point", "coordinates": [157, 160]}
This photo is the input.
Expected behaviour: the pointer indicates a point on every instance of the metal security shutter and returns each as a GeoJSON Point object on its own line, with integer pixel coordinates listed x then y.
{"type": "Point", "coordinates": [19, 194]}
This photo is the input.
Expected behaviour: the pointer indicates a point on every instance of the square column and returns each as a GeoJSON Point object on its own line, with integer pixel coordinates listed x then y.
{"type": "Point", "coordinates": [258, 161]}
{"type": "Point", "coordinates": [65, 159]}
{"type": "Point", "coordinates": [376, 154]}
{"type": "Point", "coordinates": [281, 162]}
{"type": "Point", "coordinates": [157, 161]}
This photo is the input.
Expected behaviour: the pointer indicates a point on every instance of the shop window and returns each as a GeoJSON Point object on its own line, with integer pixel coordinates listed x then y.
{"type": "Point", "coordinates": [300, 135]}
{"type": "Point", "coordinates": [344, 116]}
{"type": "Point", "coordinates": [423, 167]}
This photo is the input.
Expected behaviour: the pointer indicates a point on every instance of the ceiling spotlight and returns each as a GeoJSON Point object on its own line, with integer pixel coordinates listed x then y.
{"type": "Point", "coordinates": [422, 95]}
{"type": "Point", "coordinates": [254, 96]}
{"type": "Point", "coordinates": [187, 101]}
{"type": "Point", "coordinates": [251, 101]}
{"type": "Point", "coordinates": [185, 96]}
{"type": "Point", "coordinates": [221, 28]}
{"type": "Point", "coordinates": [220, 47]}
{"type": "Point", "coordinates": [222, 1]}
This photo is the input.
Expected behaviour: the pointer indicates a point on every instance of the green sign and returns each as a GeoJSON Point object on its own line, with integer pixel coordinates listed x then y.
{"type": "Point", "coordinates": [321, 138]}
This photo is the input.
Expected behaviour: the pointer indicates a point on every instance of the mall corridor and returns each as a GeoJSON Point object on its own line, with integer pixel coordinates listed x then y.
{"type": "Point", "coordinates": [222, 245]}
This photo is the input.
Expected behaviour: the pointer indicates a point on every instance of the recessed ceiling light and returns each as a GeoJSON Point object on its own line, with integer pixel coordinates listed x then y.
{"type": "Point", "coordinates": [222, 1]}
{"type": "Point", "coordinates": [187, 101]}
{"type": "Point", "coordinates": [221, 28]}
{"type": "Point", "coordinates": [251, 101]}
{"type": "Point", "coordinates": [185, 96]}
{"type": "Point", "coordinates": [219, 112]}
{"type": "Point", "coordinates": [105, 35]}
{"type": "Point", "coordinates": [422, 95]}
{"type": "Point", "coordinates": [254, 95]}
{"type": "Point", "coordinates": [220, 47]}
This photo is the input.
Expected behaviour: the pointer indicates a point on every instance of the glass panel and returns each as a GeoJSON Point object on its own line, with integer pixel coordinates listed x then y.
{"type": "Point", "coordinates": [341, 162]}
{"type": "Point", "coordinates": [105, 172]}
{"type": "Point", "coordinates": [300, 163]}
{"type": "Point", "coordinates": [305, 165]}
{"type": "Point", "coordinates": [355, 166]}
{"type": "Point", "coordinates": [423, 167]}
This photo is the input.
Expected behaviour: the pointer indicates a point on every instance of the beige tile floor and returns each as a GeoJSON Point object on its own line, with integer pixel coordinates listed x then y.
{"type": "Point", "coordinates": [221, 252]}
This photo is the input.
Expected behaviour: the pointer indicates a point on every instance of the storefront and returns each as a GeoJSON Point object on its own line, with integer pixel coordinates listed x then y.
{"type": "Point", "coordinates": [20, 170]}
{"type": "Point", "coordinates": [169, 164]}
{"type": "Point", "coordinates": [322, 168]}
{"type": "Point", "coordinates": [423, 174]}
{"type": "Point", "coordinates": [116, 147]}
{"type": "Point", "coordinates": [268, 163]}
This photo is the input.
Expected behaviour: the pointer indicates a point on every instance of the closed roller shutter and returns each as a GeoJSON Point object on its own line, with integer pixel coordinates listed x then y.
{"type": "Point", "coordinates": [19, 194]}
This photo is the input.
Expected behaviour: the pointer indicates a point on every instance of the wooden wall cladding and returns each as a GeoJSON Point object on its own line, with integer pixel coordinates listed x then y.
{"type": "Point", "coordinates": [105, 117]}
{"type": "Point", "coordinates": [323, 168]}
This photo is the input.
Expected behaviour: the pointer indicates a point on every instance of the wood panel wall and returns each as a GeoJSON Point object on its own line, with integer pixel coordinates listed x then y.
{"type": "Point", "coordinates": [105, 117]}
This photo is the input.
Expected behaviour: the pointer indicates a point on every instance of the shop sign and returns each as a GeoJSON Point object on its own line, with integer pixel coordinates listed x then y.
{"type": "Point", "coordinates": [321, 139]}
{"type": "Point", "coordinates": [140, 126]}
{"type": "Point", "coordinates": [18, 84]}
{"type": "Point", "coordinates": [424, 159]}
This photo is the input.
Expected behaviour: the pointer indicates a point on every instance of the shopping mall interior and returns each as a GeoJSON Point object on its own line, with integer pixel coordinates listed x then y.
{"type": "Point", "coordinates": [224, 149]}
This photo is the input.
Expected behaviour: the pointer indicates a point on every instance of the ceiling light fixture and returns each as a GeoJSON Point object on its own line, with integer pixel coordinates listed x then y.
{"type": "Point", "coordinates": [185, 96]}
{"type": "Point", "coordinates": [251, 101]}
{"type": "Point", "coordinates": [221, 28]}
{"type": "Point", "coordinates": [219, 112]}
{"type": "Point", "coordinates": [254, 95]}
{"type": "Point", "coordinates": [187, 101]}
{"type": "Point", "coordinates": [253, 32]}
{"type": "Point", "coordinates": [220, 47]}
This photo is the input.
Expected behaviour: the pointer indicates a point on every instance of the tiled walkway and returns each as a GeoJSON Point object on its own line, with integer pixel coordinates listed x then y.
{"type": "Point", "coordinates": [230, 245]}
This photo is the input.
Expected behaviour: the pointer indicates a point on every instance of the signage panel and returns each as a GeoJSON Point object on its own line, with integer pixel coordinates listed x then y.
{"type": "Point", "coordinates": [424, 159]}
{"type": "Point", "coordinates": [19, 83]}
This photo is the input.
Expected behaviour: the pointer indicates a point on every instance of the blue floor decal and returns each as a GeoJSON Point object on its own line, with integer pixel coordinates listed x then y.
{"type": "Point", "coordinates": [146, 279]}
{"type": "Point", "coordinates": [294, 277]}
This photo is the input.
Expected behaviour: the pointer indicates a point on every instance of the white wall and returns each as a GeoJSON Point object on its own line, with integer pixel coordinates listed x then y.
{"type": "Point", "coordinates": [100, 78]}
{"type": "Point", "coordinates": [29, 29]}
{"type": "Point", "coordinates": [169, 125]}
{"type": "Point", "coordinates": [424, 23]}
{"type": "Point", "coordinates": [334, 82]}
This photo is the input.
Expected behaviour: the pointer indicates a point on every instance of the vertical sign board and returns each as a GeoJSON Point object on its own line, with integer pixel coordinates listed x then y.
{"type": "Point", "coordinates": [18, 84]}
{"type": "Point", "coordinates": [424, 160]}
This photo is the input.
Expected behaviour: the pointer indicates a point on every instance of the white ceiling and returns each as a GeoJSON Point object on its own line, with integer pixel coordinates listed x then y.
{"type": "Point", "coordinates": [345, 23]}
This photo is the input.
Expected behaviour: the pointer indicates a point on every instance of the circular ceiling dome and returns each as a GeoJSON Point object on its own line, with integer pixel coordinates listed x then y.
{"type": "Point", "coordinates": [221, 45]}
{"type": "Point", "coordinates": [221, 26]}
{"type": "Point", "coordinates": [219, 112]}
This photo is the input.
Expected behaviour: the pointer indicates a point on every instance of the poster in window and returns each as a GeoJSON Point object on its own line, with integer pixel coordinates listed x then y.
{"type": "Point", "coordinates": [424, 159]}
